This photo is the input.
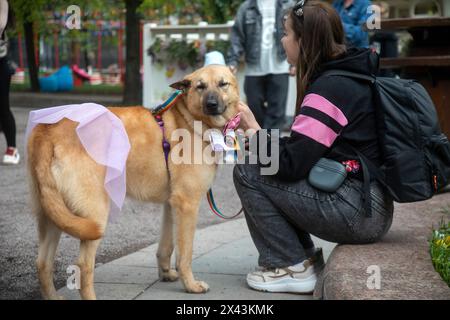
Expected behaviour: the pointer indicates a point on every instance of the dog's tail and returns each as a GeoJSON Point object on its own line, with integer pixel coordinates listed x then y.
{"type": "Point", "coordinates": [40, 158]}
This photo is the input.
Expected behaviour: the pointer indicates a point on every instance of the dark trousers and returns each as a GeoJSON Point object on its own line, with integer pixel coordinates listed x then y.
{"type": "Point", "coordinates": [281, 215]}
{"type": "Point", "coordinates": [266, 97]}
{"type": "Point", "coordinates": [7, 122]}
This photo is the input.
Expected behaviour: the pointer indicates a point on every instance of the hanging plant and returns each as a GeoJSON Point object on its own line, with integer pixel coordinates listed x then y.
{"type": "Point", "coordinates": [218, 45]}
{"type": "Point", "coordinates": [184, 54]}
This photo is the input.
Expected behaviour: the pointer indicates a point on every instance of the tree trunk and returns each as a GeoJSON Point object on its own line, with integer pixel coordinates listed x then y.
{"type": "Point", "coordinates": [31, 58]}
{"type": "Point", "coordinates": [133, 84]}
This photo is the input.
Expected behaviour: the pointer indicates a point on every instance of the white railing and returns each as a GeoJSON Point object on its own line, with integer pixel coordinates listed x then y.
{"type": "Point", "coordinates": [156, 78]}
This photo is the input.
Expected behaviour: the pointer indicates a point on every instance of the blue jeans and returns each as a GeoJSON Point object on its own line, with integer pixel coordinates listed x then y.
{"type": "Point", "coordinates": [282, 215]}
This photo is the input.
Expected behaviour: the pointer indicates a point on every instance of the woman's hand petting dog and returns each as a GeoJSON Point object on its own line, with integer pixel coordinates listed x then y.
{"type": "Point", "coordinates": [248, 123]}
{"type": "Point", "coordinates": [248, 120]}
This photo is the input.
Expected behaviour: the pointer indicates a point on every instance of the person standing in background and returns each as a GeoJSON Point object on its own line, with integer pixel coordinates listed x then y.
{"type": "Point", "coordinates": [354, 16]}
{"type": "Point", "coordinates": [385, 42]}
{"type": "Point", "coordinates": [257, 34]}
{"type": "Point", "coordinates": [7, 120]}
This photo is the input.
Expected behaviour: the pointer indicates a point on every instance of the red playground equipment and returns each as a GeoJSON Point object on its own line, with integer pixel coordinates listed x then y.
{"type": "Point", "coordinates": [79, 75]}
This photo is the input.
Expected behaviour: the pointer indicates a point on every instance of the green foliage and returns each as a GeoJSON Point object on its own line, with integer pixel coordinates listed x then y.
{"type": "Point", "coordinates": [212, 11]}
{"type": "Point", "coordinates": [40, 12]}
{"type": "Point", "coordinates": [440, 251]}
{"type": "Point", "coordinates": [220, 11]}
{"type": "Point", "coordinates": [185, 54]}
{"type": "Point", "coordinates": [27, 11]}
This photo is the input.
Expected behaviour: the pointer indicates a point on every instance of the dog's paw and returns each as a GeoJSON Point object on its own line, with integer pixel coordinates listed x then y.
{"type": "Point", "coordinates": [169, 276]}
{"type": "Point", "coordinates": [198, 287]}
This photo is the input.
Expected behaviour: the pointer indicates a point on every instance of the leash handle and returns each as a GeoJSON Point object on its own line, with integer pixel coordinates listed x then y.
{"type": "Point", "coordinates": [212, 205]}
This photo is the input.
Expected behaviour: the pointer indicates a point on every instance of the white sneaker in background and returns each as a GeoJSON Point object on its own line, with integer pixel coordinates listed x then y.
{"type": "Point", "coordinates": [11, 156]}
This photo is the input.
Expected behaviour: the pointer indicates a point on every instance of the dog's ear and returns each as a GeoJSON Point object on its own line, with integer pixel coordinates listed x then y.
{"type": "Point", "coordinates": [181, 85]}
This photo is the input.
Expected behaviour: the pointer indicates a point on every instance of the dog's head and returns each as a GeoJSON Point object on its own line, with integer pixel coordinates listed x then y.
{"type": "Point", "coordinates": [212, 94]}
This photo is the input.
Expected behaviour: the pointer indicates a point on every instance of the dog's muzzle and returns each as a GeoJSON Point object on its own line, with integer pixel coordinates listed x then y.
{"type": "Point", "coordinates": [213, 105]}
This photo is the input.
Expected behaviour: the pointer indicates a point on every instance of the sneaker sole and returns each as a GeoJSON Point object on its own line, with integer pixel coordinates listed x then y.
{"type": "Point", "coordinates": [9, 163]}
{"type": "Point", "coordinates": [286, 285]}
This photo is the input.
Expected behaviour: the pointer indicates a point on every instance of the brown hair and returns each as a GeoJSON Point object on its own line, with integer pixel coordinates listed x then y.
{"type": "Point", "coordinates": [321, 39]}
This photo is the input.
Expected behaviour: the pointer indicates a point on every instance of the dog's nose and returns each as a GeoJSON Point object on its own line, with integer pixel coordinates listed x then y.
{"type": "Point", "coordinates": [212, 104]}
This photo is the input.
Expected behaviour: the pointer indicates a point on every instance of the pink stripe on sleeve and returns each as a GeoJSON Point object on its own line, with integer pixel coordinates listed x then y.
{"type": "Point", "coordinates": [314, 129]}
{"type": "Point", "coordinates": [318, 102]}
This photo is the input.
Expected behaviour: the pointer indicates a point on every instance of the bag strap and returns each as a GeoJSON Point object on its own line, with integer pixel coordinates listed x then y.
{"type": "Point", "coordinates": [369, 169]}
{"type": "Point", "coordinates": [379, 175]}
{"type": "Point", "coordinates": [367, 165]}
{"type": "Point", "coordinates": [367, 201]}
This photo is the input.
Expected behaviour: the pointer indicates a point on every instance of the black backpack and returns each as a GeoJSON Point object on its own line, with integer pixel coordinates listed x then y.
{"type": "Point", "coordinates": [415, 153]}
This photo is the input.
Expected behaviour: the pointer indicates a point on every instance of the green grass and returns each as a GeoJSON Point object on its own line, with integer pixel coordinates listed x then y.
{"type": "Point", "coordinates": [440, 250]}
{"type": "Point", "coordinates": [22, 87]}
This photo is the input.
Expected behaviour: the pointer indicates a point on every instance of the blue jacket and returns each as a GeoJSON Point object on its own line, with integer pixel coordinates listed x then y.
{"type": "Point", "coordinates": [353, 19]}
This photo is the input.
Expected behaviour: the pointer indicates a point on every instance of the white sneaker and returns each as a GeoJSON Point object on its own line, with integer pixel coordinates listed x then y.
{"type": "Point", "coordinates": [11, 156]}
{"type": "Point", "coordinates": [300, 278]}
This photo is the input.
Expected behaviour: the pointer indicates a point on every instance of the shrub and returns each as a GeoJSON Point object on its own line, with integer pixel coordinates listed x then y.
{"type": "Point", "coordinates": [440, 251]}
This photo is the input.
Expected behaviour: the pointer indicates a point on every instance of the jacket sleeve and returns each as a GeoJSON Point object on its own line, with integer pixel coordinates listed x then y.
{"type": "Point", "coordinates": [356, 33]}
{"type": "Point", "coordinates": [237, 38]}
{"type": "Point", "coordinates": [313, 132]}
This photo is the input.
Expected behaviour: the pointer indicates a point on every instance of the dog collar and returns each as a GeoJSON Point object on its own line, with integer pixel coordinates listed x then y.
{"type": "Point", "coordinates": [168, 103]}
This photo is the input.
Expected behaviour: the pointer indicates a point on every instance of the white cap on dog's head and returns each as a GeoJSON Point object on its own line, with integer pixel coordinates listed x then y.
{"type": "Point", "coordinates": [214, 57]}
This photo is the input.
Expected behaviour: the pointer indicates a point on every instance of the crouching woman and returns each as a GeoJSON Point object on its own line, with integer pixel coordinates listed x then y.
{"type": "Point", "coordinates": [335, 117]}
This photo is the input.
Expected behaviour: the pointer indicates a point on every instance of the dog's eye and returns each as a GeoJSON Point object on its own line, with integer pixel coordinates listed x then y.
{"type": "Point", "coordinates": [201, 86]}
{"type": "Point", "coordinates": [224, 85]}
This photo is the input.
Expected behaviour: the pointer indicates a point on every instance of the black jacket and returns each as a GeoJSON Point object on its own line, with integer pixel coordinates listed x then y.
{"type": "Point", "coordinates": [335, 109]}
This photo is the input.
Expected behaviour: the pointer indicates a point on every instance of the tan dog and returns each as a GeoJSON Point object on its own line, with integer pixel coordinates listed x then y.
{"type": "Point", "coordinates": [67, 186]}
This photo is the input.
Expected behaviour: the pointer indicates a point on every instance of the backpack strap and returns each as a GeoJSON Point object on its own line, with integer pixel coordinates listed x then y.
{"type": "Point", "coordinates": [369, 170]}
{"type": "Point", "coordinates": [367, 166]}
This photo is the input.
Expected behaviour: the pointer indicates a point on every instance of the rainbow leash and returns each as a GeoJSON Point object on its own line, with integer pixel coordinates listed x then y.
{"type": "Point", "coordinates": [163, 108]}
{"type": "Point", "coordinates": [212, 205]}
{"type": "Point", "coordinates": [209, 194]}
{"type": "Point", "coordinates": [168, 103]}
